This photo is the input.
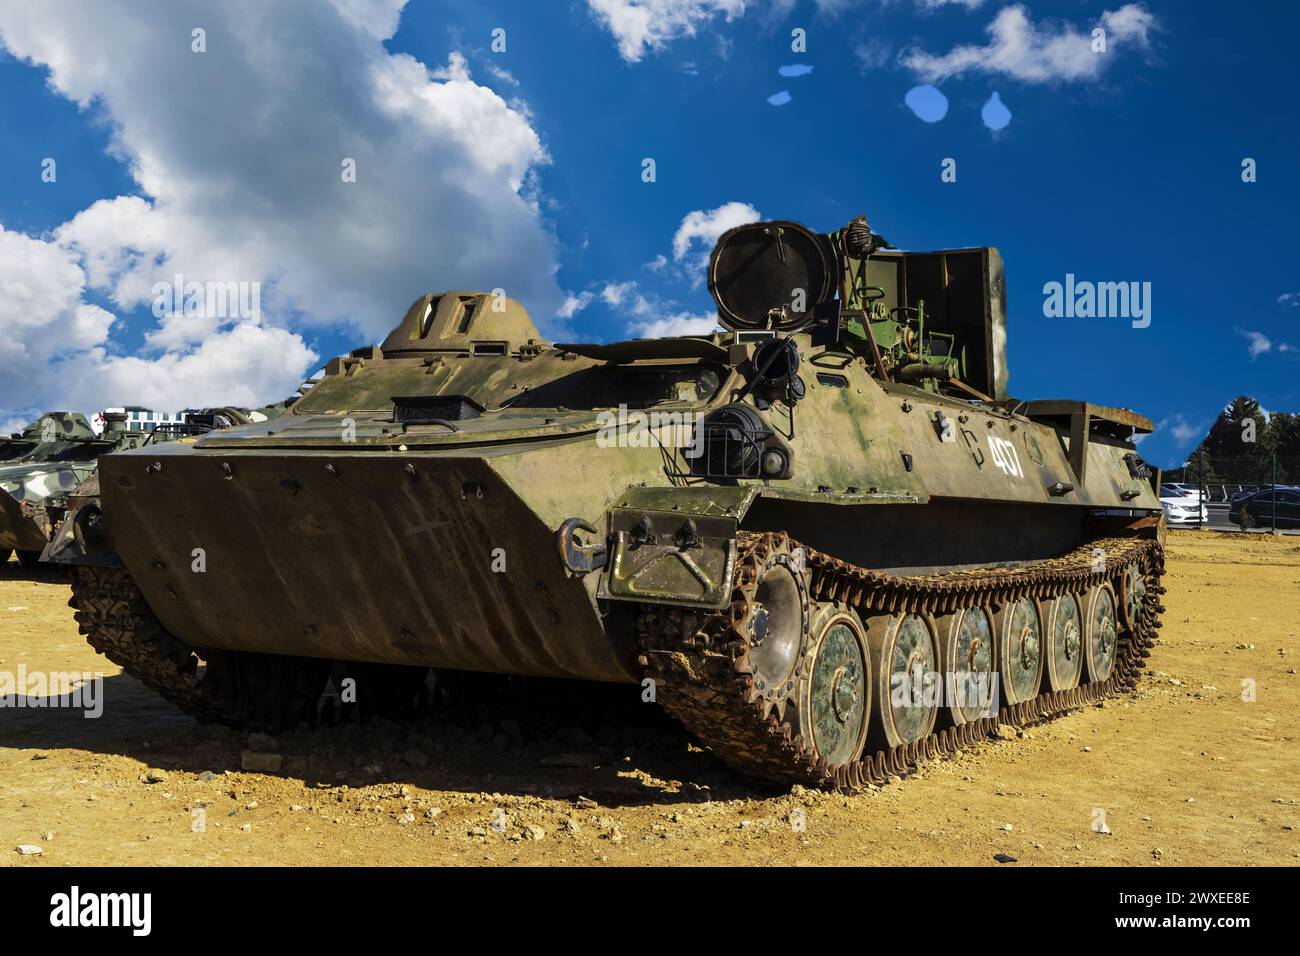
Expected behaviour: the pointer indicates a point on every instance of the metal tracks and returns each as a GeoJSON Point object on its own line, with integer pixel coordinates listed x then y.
{"type": "Point", "coordinates": [703, 669]}
{"type": "Point", "coordinates": [260, 691]}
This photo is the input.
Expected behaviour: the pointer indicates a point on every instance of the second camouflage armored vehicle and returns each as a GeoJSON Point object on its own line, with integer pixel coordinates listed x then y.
{"type": "Point", "coordinates": [40, 466]}
{"type": "Point", "coordinates": [826, 540]}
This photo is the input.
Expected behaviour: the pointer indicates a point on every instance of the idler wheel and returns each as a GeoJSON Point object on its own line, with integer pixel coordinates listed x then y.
{"type": "Point", "coordinates": [1020, 651]}
{"type": "Point", "coordinates": [1065, 643]}
{"type": "Point", "coordinates": [835, 692]}
{"type": "Point", "coordinates": [777, 626]}
{"type": "Point", "coordinates": [969, 682]}
{"type": "Point", "coordinates": [1103, 633]}
{"type": "Point", "coordinates": [905, 665]}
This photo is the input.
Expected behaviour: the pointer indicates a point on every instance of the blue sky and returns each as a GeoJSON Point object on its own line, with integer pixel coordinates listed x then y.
{"type": "Point", "coordinates": [525, 166]}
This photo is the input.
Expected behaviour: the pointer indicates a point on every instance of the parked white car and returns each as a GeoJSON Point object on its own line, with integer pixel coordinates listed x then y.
{"type": "Point", "coordinates": [1183, 504]}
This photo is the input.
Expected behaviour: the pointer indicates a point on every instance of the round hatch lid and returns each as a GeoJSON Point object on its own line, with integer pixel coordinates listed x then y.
{"type": "Point", "coordinates": [759, 267]}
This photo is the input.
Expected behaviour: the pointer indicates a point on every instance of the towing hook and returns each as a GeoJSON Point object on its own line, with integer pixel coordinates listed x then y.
{"type": "Point", "coordinates": [580, 558]}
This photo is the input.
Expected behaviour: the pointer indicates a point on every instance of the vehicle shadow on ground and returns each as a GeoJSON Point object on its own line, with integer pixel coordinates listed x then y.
{"type": "Point", "coordinates": [553, 739]}
{"type": "Point", "coordinates": [15, 570]}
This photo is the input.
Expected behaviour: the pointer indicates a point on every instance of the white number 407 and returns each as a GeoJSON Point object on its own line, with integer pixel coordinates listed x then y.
{"type": "Point", "coordinates": [1005, 457]}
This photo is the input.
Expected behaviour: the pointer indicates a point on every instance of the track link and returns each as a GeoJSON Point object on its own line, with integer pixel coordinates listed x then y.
{"type": "Point", "coordinates": [256, 691]}
{"type": "Point", "coordinates": [697, 657]}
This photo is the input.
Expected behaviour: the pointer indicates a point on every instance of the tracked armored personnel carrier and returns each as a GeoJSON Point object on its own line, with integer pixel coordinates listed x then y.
{"type": "Point", "coordinates": [826, 539]}
{"type": "Point", "coordinates": [39, 467]}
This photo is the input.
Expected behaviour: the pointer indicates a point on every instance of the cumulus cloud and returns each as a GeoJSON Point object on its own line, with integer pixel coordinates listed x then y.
{"type": "Point", "coordinates": [1038, 53]}
{"type": "Point", "coordinates": [641, 26]}
{"type": "Point", "coordinates": [873, 53]}
{"type": "Point", "coordinates": [1178, 428]}
{"type": "Point", "coordinates": [647, 314]}
{"type": "Point", "coordinates": [680, 323]}
{"type": "Point", "coordinates": [42, 316]}
{"type": "Point", "coordinates": [1257, 342]}
{"type": "Point", "coordinates": [836, 7]}
{"type": "Point", "coordinates": [1184, 431]}
{"type": "Point", "coordinates": [650, 314]}
{"type": "Point", "coordinates": [57, 347]}
{"type": "Point", "coordinates": [573, 304]}
{"type": "Point", "coordinates": [238, 154]}
{"type": "Point", "coordinates": [700, 229]}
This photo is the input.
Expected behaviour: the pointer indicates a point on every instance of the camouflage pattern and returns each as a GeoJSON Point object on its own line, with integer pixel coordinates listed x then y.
{"type": "Point", "coordinates": [469, 496]}
{"type": "Point", "coordinates": [62, 452]}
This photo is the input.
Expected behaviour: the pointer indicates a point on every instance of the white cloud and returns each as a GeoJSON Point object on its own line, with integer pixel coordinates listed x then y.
{"type": "Point", "coordinates": [639, 26]}
{"type": "Point", "coordinates": [1040, 53]}
{"type": "Point", "coordinates": [1289, 298]}
{"type": "Point", "coordinates": [245, 365]}
{"type": "Point", "coordinates": [1184, 431]}
{"type": "Point", "coordinates": [237, 154]}
{"type": "Point", "coordinates": [502, 75]}
{"type": "Point", "coordinates": [1179, 429]}
{"type": "Point", "coordinates": [700, 229]}
{"type": "Point", "coordinates": [42, 317]}
{"type": "Point", "coordinates": [56, 349]}
{"type": "Point", "coordinates": [651, 314]}
{"type": "Point", "coordinates": [707, 225]}
{"type": "Point", "coordinates": [378, 18]}
{"type": "Point", "coordinates": [681, 323]}
{"type": "Point", "coordinates": [873, 53]}
{"type": "Point", "coordinates": [1258, 343]}
{"type": "Point", "coordinates": [615, 294]}
{"type": "Point", "coordinates": [573, 304]}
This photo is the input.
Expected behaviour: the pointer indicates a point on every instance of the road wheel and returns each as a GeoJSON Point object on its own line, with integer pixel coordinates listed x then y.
{"type": "Point", "coordinates": [29, 559]}
{"type": "Point", "coordinates": [1103, 633]}
{"type": "Point", "coordinates": [4, 555]}
{"type": "Point", "coordinates": [1020, 651]}
{"type": "Point", "coordinates": [969, 675]}
{"type": "Point", "coordinates": [835, 690]}
{"type": "Point", "coordinates": [905, 669]}
{"type": "Point", "coordinates": [1065, 641]}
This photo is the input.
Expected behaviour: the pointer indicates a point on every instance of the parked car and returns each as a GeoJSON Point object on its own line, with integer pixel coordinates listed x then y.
{"type": "Point", "coordinates": [1183, 504]}
{"type": "Point", "coordinates": [1183, 510]}
{"type": "Point", "coordinates": [1258, 507]}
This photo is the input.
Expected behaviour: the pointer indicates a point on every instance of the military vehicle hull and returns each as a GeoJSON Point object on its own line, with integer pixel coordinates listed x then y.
{"type": "Point", "coordinates": [49, 459]}
{"type": "Point", "coordinates": [19, 530]}
{"type": "Point", "coordinates": [410, 577]}
{"type": "Point", "coordinates": [828, 580]}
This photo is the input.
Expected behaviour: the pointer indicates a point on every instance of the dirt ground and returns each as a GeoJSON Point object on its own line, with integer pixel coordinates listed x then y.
{"type": "Point", "coordinates": [1187, 771]}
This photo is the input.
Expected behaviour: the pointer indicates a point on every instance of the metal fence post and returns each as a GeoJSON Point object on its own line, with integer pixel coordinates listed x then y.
{"type": "Point", "coordinates": [1200, 482]}
{"type": "Point", "coordinates": [1274, 521]}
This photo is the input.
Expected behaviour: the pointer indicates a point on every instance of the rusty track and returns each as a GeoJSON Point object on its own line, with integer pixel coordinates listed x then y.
{"type": "Point", "coordinates": [258, 691]}
{"type": "Point", "coordinates": [697, 658]}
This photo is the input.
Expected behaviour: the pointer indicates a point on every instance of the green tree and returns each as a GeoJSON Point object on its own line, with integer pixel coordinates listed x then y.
{"type": "Point", "coordinates": [1285, 428]}
{"type": "Point", "coordinates": [1239, 446]}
